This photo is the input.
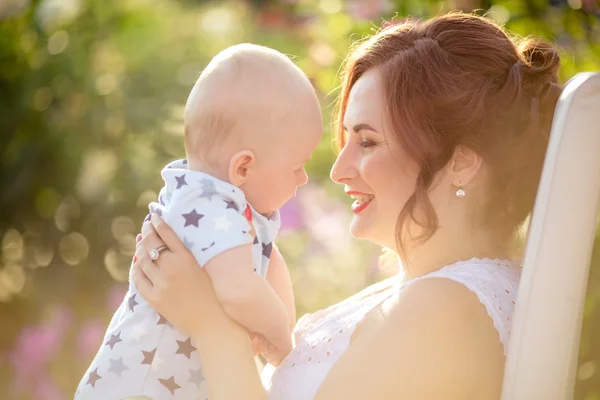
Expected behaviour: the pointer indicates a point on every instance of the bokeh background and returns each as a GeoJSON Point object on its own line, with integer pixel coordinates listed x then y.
{"type": "Point", "coordinates": [91, 100]}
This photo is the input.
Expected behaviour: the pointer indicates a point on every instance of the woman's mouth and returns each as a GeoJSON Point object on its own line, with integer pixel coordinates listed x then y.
{"type": "Point", "coordinates": [361, 202]}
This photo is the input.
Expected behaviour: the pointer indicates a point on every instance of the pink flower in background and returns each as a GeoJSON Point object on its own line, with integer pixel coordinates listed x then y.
{"type": "Point", "coordinates": [291, 215]}
{"type": "Point", "coordinates": [327, 219]}
{"type": "Point", "coordinates": [90, 337]}
{"type": "Point", "coordinates": [36, 346]}
{"type": "Point", "coordinates": [47, 389]}
{"type": "Point", "coordinates": [115, 296]}
{"type": "Point", "coordinates": [366, 10]}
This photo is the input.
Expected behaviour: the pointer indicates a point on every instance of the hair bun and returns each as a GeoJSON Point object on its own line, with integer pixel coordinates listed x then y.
{"type": "Point", "coordinates": [542, 61]}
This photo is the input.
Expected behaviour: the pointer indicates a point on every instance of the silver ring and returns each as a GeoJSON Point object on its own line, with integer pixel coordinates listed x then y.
{"type": "Point", "coordinates": [154, 253]}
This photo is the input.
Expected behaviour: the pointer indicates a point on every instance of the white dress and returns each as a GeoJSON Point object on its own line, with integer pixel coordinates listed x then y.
{"type": "Point", "coordinates": [322, 337]}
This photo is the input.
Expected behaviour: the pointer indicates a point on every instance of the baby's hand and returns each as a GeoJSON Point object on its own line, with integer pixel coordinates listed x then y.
{"type": "Point", "coordinates": [256, 341]}
{"type": "Point", "coordinates": [274, 352]}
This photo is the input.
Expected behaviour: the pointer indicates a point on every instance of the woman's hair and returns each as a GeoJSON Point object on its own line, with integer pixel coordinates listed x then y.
{"type": "Point", "coordinates": [459, 79]}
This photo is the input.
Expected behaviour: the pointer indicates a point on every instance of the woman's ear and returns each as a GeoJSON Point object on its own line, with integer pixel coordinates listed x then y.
{"type": "Point", "coordinates": [465, 165]}
{"type": "Point", "coordinates": [240, 167]}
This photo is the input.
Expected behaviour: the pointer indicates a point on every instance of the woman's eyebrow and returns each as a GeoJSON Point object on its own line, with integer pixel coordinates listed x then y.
{"type": "Point", "coordinates": [360, 127]}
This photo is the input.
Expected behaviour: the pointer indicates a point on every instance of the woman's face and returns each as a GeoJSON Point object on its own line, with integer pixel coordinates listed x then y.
{"type": "Point", "coordinates": [372, 166]}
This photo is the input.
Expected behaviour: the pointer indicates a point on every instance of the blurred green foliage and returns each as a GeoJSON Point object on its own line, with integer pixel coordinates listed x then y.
{"type": "Point", "coordinates": [91, 97]}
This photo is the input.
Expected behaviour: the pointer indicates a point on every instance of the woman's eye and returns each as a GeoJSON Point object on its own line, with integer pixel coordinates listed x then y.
{"type": "Point", "coordinates": [367, 143]}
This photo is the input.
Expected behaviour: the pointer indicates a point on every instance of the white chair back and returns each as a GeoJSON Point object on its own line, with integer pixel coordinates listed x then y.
{"type": "Point", "coordinates": [542, 356]}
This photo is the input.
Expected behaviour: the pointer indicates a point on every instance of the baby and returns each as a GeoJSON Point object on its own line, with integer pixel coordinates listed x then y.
{"type": "Point", "coordinates": [252, 121]}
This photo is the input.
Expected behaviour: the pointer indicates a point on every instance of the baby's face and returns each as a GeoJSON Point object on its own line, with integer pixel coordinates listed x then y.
{"type": "Point", "coordinates": [279, 169]}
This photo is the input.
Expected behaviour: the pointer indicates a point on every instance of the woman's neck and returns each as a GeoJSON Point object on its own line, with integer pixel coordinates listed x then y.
{"type": "Point", "coordinates": [444, 249]}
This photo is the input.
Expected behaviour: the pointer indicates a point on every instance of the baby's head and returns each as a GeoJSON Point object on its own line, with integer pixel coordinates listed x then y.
{"type": "Point", "coordinates": [253, 119]}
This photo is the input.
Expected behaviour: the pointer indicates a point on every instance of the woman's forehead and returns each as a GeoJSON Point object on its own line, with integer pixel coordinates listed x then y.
{"type": "Point", "coordinates": [365, 100]}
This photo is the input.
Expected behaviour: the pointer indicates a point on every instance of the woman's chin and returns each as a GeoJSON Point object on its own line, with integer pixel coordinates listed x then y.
{"type": "Point", "coordinates": [358, 230]}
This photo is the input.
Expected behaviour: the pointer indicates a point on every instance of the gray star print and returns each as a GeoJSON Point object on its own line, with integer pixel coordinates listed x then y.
{"type": "Point", "coordinates": [117, 366]}
{"type": "Point", "coordinates": [148, 357]}
{"type": "Point", "coordinates": [186, 348]}
{"type": "Point", "coordinates": [93, 377]}
{"type": "Point", "coordinates": [162, 320]}
{"type": "Point", "coordinates": [131, 302]}
{"type": "Point", "coordinates": [180, 181]}
{"type": "Point", "coordinates": [266, 249]}
{"type": "Point", "coordinates": [231, 204]}
{"type": "Point", "coordinates": [114, 339]}
{"type": "Point", "coordinates": [192, 218]}
{"type": "Point", "coordinates": [170, 384]}
{"type": "Point", "coordinates": [196, 376]}
{"type": "Point", "coordinates": [208, 188]}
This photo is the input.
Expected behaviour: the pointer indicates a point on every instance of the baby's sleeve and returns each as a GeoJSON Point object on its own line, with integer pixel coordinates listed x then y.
{"type": "Point", "coordinates": [207, 225]}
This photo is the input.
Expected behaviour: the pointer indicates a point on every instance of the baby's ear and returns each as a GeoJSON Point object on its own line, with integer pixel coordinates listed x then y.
{"type": "Point", "coordinates": [240, 167]}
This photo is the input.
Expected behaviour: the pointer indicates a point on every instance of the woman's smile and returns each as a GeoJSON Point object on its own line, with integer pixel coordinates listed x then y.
{"type": "Point", "coordinates": [362, 200]}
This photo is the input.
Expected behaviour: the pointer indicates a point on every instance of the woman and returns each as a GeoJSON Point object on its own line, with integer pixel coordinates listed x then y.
{"type": "Point", "coordinates": [443, 128]}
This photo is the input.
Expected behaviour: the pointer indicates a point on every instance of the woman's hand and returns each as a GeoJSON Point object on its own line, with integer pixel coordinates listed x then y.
{"type": "Point", "coordinates": [177, 287]}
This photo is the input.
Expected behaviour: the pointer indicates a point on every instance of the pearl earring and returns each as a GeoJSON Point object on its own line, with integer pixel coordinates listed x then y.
{"type": "Point", "coordinates": [460, 193]}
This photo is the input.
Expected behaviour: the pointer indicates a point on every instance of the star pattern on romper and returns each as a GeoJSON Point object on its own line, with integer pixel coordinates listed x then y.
{"type": "Point", "coordinates": [117, 366]}
{"type": "Point", "coordinates": [186, 348]}
{"type": "Point", "coordinates": [222, 223]}
{"type": "Point", "coordinates": [148, 356]}
{"type": "Point", "coordinates": [187, 243]}
{"type": "Point", "coordinates": [266, 249]}
{"type": "Point", "coordinates": [255, 240]}
{"type": "Point", "coordinates": [180, 181]}
{"type": "Point", "coordinates": [208, 247]}
{"type": "Point", "coordinates": [192, 218]}
{"type": "Point", "coordinates": [231, 204]}
{"type": "Point", "coordinates": [208, 189]}
{"type": "Point", "coordinates": [93, 378]}
{"type": "Point", "coordinates": [114, 339]}
{"type": "Point", "coordinates": [131, 302]}
{"type": "Point", "coordinates": [196, 376]}
{"type": "Point", "coordinates": [170, 384]}
{"type": "Point", "coordinates": [162, 320]}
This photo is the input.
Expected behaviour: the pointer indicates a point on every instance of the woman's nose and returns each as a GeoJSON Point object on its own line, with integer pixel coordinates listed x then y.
{"type": "Point", "coordinates": [343, 167]}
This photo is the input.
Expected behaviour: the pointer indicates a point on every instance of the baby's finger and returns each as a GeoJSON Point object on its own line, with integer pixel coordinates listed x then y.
{"type": "Point", "coordinates": [255, 345]}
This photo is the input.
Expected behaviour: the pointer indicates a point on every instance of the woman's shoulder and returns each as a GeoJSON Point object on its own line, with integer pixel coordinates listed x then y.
{"type": "Point", "coordinates": [467, 284]}
{"type": "Point", "coordinates": [439, 325]}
